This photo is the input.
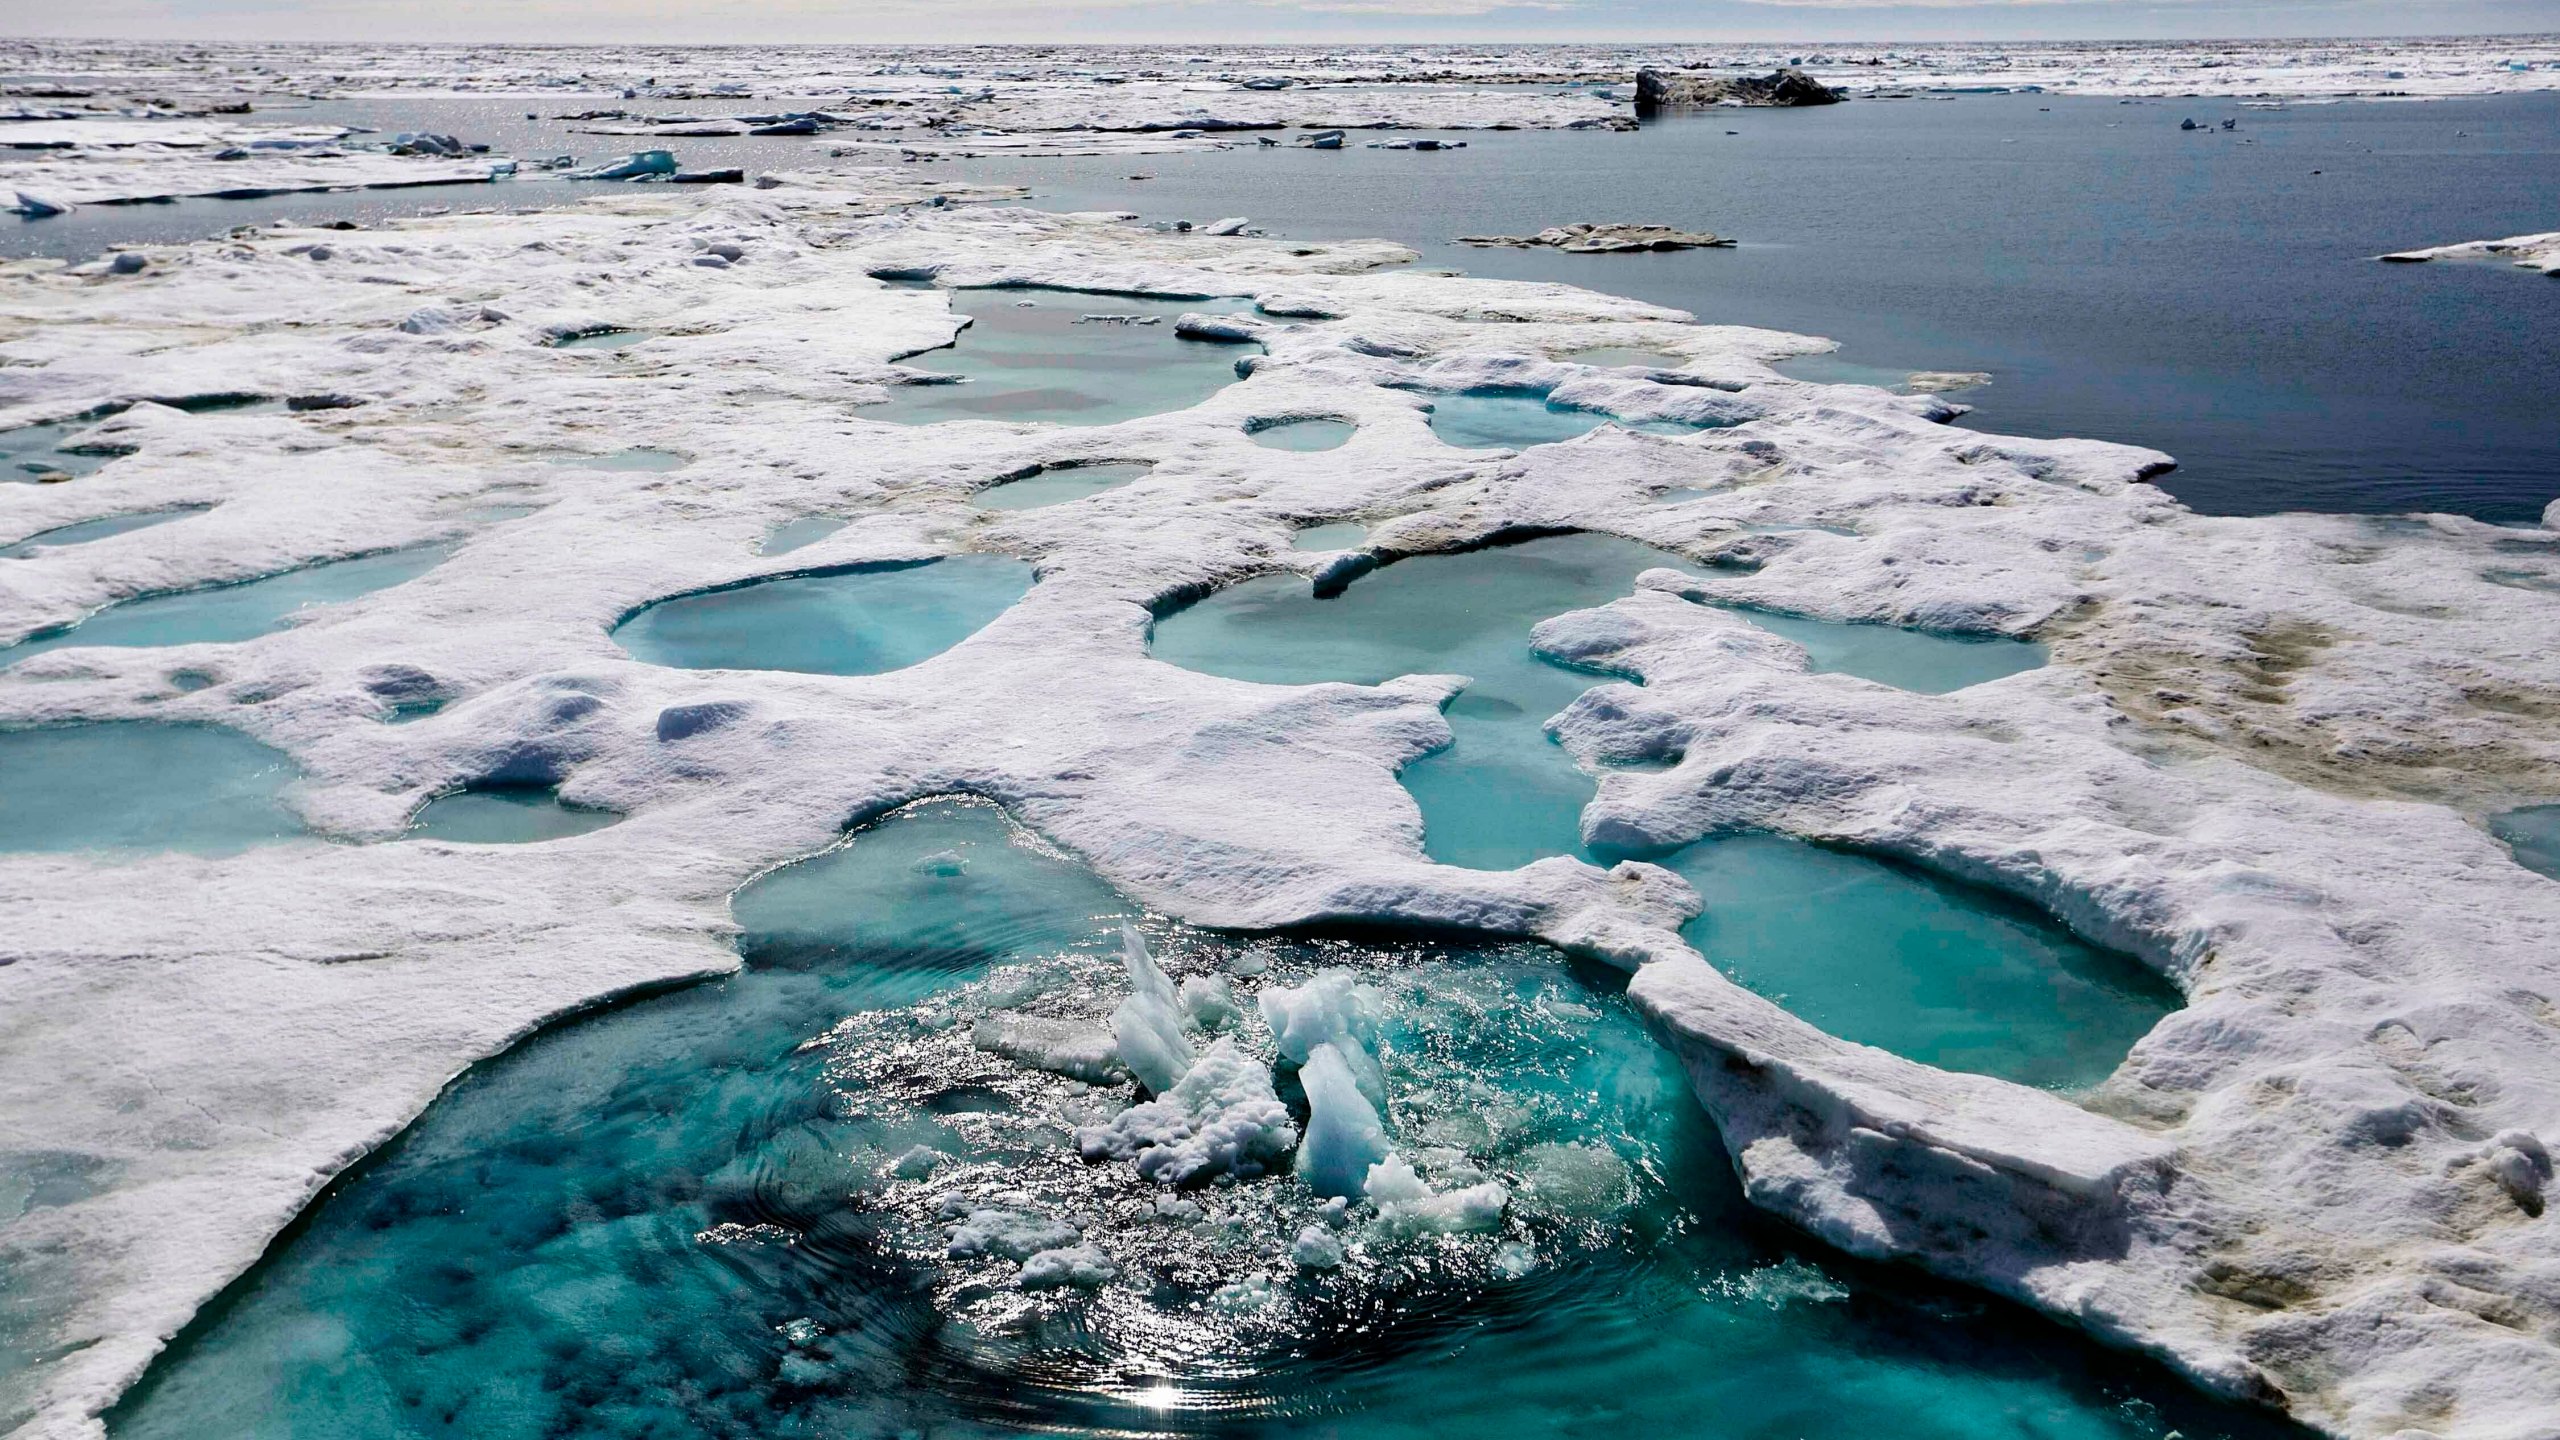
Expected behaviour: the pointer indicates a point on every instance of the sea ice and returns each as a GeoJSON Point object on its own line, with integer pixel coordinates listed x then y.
{"type": "Point", "coordinates": [1344, 1137]}
{"type": "Point", "coordinates": [1149, 1024]}
{"type": "Point", "coordinates": [2254, 760]}
{"type": "Point", "coordinates": [1221, 1118]}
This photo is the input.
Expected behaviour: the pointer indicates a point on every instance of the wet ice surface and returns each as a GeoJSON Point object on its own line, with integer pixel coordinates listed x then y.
{"type": "Point", "coordinates": [506, 815]}
{"type": "Point", "coordinates": [88, 530]}
{"type": "Point", "coordinates": [139, 786]}
{"type": "Point", "coordinates": [1497, 421]}
{"type": "Point", "coordinates": [1066, 357]}
{"type": "Point", "coordinates": [2532, 835]}
{"type": "Point", "coordinates": [851, 622]}
{"type": "Point", "coordinates": [242, 611]}
{"type": "Point", "coordinates": [799, 1202]}
{"type": "Point", "coordinates": [1058, 484]}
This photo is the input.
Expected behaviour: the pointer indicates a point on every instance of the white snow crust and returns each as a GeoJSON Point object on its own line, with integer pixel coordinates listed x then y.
{"type": "Point", "coordinates": [2527, 252]}
{"type": "Point", "coordinates": [2257, 760]}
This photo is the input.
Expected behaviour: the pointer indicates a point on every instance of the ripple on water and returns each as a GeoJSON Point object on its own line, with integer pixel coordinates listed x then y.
{"type": "Point", "coordinates": [1058, 356]}
{"type": "Point", "coordinates": [859, 621]}
{"type": "Point", "coordinates": [719, 1213]}
{"type": "Point", "coordinates": [218, 614]}
{"type": "Point", "coordinates": [135, 786]}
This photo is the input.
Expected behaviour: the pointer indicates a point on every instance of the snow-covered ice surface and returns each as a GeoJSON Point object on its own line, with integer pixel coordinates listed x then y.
{"type": "Point", "coordinates": [2257, 759]}
{"type": "Point", "coordinates": [1112, 86]}
{"type": "Point", "coordinates": [93, 159]}
{"type": "Point", "coordinates": [2528, 252]}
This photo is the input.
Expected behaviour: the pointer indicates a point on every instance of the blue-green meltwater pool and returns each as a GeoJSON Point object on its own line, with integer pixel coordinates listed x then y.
{"type": "Point", "coordinates": [794, 1203]}
{"type": "Point", "coordinates": [857, 621]}
{"type": "Point", "coordinates": [1066, 357]}
{"type": "Point", "coordinates": [135, 786]}
{"type": "Point", "coordinates": [1928, 969]}
{"type": "Point", "coordinates": [1518, 419]}
{"type": "Point", "coordinates": [221, 613]}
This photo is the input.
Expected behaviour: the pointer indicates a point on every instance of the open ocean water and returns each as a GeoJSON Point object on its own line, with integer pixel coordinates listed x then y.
{"type": "Point", "coordinates": [2212, 294]}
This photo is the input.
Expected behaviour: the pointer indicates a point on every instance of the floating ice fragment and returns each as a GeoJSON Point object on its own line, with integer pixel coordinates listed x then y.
{"type": "Point", "coordinates": [1009, 1234]}
{"type": "Point", "coordinates": [128, 263]}
{"type": "Point", "coordinates": [1232, 225]}
{"type": "Point", "coordinates": [1345, 1139]}
{"type": "Point", "coordinates": [1316, 1249]}
{"type": "Point", "coordinates": [640, 166]}
{"type": "Point", "coordinates": [1578, 1181]}
{"type": "Point", "coordinates": [1148, 1024]}
{"type": "Point", "coordinates": [1210, 1002]}
{"type": "Point", "coordinates": [1081, 1266]}
{"type": "Point", "coordinates": [1061, 1047]}
{"type": "Point", "coordinates": [1786, 1283]}
{"type": "Point", "coordinates": [1243, 1297]}
{"type": "Point", "coordinates": [35, 207]}
{"type": "Point", "coordinates": [1222, 1118]}
{"type": "Point", "coordinates": [918, 1162]}
{"type": "Point", "coordinates": [1512, 1260]}
{"type": "Point", "coordinates": [941, 862]}
{"type": "Point", "coordinates": [1336, 1008]}
{"type": "Point", "coordinates": [1406, 1206]}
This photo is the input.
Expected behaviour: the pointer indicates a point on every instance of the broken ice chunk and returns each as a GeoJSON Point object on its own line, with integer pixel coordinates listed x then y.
{"type": "Point", "coordinates": [1081, 1266]}
{"type": "Point", "coordinates": [1406, 1206]}
{"type": "Point", "coordinates": [1009, 1234]}
{"type": "Point", "coordinates": [1148, 1025]}
{"type": "Point", "coordinates": [1210, 1002]}
{"type": "Point", "coordinates": [1222, 1119]}
{"type": "Point", "coordinates": [1345, 1139]}
{"type": "Point", "coordinates": [1333, 1008]}
{"type": "Point", "coordinates": [1061, 1047]}
{"type": "Point", "coordinates": [1316, 1249]}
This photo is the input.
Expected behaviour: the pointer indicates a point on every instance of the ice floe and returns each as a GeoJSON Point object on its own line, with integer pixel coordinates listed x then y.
{"type": "Point", "coordinates": [2528, 252]}
{"type": "Point", "coordinates": [2260, 758]}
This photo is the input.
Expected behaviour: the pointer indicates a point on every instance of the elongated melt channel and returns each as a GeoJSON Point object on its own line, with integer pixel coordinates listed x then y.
{"type": "Point", "coordinates": [845, 1193]}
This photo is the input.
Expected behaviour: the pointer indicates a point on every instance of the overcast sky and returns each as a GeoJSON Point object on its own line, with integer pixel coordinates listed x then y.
{"type": "Point", "coordinates": [1251, 20]}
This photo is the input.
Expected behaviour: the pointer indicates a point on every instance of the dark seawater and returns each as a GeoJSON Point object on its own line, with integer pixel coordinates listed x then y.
{"type": "Point", "coordinates": [2205, 294]}
{"type": "Point", "coordinates": [2120, 278]}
